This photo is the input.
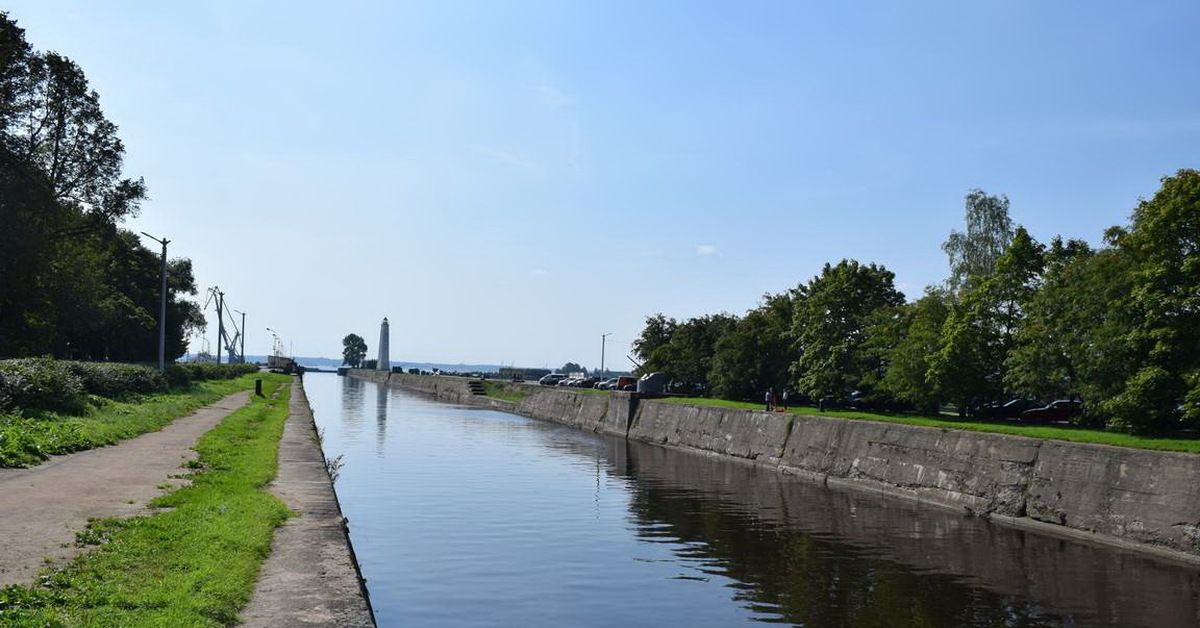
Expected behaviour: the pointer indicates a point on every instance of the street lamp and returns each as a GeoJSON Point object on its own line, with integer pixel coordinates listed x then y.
{"type": "Point", "coordinates": [162, 306]}
{"type": "Point", "coordinates": [603, 337]}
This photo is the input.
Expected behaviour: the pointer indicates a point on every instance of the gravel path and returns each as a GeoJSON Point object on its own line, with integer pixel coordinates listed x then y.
{"type": "Point", "coordinates": [42, 508]}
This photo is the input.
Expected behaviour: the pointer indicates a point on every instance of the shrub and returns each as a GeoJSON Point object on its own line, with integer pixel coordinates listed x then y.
{"type": "Point", "coordinates": [182, 374]}
{"type": "Point", "coordinates": [41, 384]}
{"type": "Point", "coordinates": [117, 380]}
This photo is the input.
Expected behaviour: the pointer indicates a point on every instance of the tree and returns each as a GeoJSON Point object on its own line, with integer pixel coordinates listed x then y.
{"type": "Point", "coordinates": [978, 335]}
{"type": "Point", "coordinates": [571, 367]}
{"type": "Point", "coordinates": [354, 349]}
{"type": "Point", "coordinates": [1163, 244]}
{"type": "Point", "coordinates": [973, 255]}
{"type": "Point", "coordinates": [651, 345]}
{"type": "Point", "coordinates": [830, 329]}
{"type": "Point", "coordinates": [904, 338]}
{"type": "Point", "coordinates": [755, 353]}
{"type": "Point", "coordinates": [60, 129]}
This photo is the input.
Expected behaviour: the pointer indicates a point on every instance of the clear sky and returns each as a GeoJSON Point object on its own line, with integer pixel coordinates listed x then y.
{"type": "Point", "coordinates": [507, 181]}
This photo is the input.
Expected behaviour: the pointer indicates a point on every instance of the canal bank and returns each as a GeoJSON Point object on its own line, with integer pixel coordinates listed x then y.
{"type": "Point", "coordinates": [311, 577]}
{"type": "Point", "coordinates": [1143, 500]}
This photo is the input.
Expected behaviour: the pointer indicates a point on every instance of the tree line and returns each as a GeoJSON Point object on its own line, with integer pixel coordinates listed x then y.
{"type": "Point", "coordinates": [73, 283]}
{"type": "Point", "coordinates": [1117, 326]}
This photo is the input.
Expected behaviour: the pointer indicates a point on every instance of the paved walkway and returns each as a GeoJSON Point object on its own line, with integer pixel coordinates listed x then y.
{"type": "Point", "coordinates": [310, 578]}
{"type": "Point", "coordinates": [42, 508]}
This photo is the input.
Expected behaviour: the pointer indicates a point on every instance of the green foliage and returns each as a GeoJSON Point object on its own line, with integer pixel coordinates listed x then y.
{"type": "Point", "coordinates": [72, 284]}
{"type": "Point", "coordinates": [904, 338]}
{"type": "Point", "coordinates": [118, 380]}
{"type": "Point", "coordinates": [41, 384]}
{"type": "Point", "coordinates": [354, 349]}
{"type": "Point", "coordinates": [756, 352]}
{"type": "Point", "coordinates": [684, 351]}
{"type": "Point", "coordinates": [830, 327]}
{"type": "Point", "coordinates": [192, 565]}
{"type": "Point", "coordinates": [27, 439]}
{"type": "Point", "coordinates": [973, 255]}
{"type": "Point", "coordinates": [507, 392]}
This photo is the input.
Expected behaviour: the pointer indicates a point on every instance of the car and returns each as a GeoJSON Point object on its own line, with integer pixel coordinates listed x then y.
{"type": "Point", "coordinates": [552, 379]}
{"type": "Point", "coordinates": [607, 384]}
{"type": "Point", "coordinates": [587, 382]}
{"type": "Point", "coordinates": [1060, 410]}
{"type": "Point", "coordinates": [1011, 409]}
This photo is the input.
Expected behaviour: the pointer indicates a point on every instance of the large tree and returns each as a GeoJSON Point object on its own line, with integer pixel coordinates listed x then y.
{"type": "Point", "coordinates": [354, 349]}
{"type": "Point", "coordinates": [968, 369]}
{"type": "Point", "coordinates": [755, 353]}
{"type": "Point", "coordinates": [973, 254]}
{"type": "Point", "coordinates": [1163, 244]}
{"type": "Point", "coordinates": [830, 329]}
{"type": "Point", "coordinates": [904, 338]}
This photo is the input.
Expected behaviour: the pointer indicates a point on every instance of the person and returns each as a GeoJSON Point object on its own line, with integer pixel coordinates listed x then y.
{"type": "Point", "coordinates": [785, 400]}
{"type": "Point", "coordinates": [770, 398]}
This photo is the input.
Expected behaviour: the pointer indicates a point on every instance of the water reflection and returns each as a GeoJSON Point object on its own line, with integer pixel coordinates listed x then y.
{"type": "Point", "coordinates": [470, 517]}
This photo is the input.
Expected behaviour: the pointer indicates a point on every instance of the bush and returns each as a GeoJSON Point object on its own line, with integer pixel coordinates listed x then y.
{"type": "Point", "coordinates": [183, 374]}
{"type": "Point", "coordinates": [118, 380]}
{"type": "Point", "coordinates": [41, 384]}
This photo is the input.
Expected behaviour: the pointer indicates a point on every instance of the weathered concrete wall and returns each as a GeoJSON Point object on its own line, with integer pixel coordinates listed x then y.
{"type": "Point", "coordinates": [604, 413]}
{"type": "Point", "coordinates": [1110, 494]}
{"type": "Point", "coordinates": [748, 434]}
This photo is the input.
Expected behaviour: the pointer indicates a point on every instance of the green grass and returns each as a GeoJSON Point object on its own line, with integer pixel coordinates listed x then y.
{"type": "Point", "coordinates": [1052, 432]}
{"type": "Point", "coordinates": [28, 440]}
{"type": "Point", "coordinates": [500, 390]}
{"type": "Point", "coordinates": [192, 565]}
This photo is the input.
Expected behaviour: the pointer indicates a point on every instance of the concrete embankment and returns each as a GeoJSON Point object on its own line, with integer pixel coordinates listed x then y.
{"type": "Point", "coordinates": [1145, 500]}
{"type": "Point", "coordinates": [311, 577]}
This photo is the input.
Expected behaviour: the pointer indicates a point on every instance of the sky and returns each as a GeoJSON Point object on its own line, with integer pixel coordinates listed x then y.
{"type": "Point", "coordinates": [508, 181]}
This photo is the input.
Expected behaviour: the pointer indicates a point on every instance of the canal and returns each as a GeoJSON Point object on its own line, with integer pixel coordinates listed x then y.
{"type": "Point", "coordinates": [462, 516]}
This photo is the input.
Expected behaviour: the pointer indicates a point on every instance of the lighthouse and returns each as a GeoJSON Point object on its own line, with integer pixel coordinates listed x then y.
{"type": "Point", "coordinates": [384, 364]}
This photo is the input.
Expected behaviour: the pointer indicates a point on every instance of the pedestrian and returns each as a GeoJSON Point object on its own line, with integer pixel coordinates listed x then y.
{"type": "Point", "coordinates": [785, 400]}
{"type": "Point", "coordinates": [770, 398]}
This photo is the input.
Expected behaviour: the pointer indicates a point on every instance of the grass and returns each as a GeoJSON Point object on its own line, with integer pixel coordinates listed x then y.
{"type": "Point", "coordinates": [1051, 432]}
{"type": "Point", "coordinates": [192, 565]}
{"type": "Point", "coordinates": [28, 440]}
{"type": "Point", "coordinates": [500, 390]}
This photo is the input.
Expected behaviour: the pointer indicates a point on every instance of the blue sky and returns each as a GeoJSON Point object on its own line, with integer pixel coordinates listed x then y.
{"type": "Point", "coordinates": [507, 181]}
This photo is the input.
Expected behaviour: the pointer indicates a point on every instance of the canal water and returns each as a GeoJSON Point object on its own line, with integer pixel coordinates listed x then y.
{"type": "Point", "coordinates": [465, 517]}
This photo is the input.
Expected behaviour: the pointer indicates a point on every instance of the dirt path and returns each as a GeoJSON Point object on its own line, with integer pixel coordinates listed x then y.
{"type": "Point", "coordinates": [42, 508]}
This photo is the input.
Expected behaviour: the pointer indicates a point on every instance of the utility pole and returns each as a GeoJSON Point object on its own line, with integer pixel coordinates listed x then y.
{"type": "Point", "coordinates": [162, 305]}
{"type": "Point", "coordinates": [220, 323]}
{"type": "Point", "coordinates": [603, 337]}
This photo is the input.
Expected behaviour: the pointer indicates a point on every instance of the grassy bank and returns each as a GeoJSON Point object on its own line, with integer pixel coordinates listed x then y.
{"type": "Point", "coordinates": [29, 439]}
{"type": "Point", "coordinates": [192, 565]}
{"type": "Point", "coordinates": [500, 390]}
{"type": "Point", "coordinates": [1054, 432]}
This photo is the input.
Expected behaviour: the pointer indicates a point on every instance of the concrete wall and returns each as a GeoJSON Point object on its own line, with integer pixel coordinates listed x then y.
{"type": "Point", "coordinates": [1146, 499]}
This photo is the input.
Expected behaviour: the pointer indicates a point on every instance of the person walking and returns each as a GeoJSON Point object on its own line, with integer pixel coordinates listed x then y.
{"type": "Point", "coordinates": [785, 400]}
{"type": "Point", "coordinates": [770, 399]}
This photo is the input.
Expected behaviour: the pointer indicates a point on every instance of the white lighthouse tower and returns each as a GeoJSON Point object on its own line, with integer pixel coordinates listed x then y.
{"type": "Point", "coordinates": [384, 364]}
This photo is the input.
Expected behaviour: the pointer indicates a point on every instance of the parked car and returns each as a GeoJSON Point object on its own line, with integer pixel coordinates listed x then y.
{"type": "Point", "coordinates": [587, 382]}
{"type": "Point", "coordinates": [607, 384]}
{"type": "Point", "coordinates": [1060, 410]}
{"type": "Point", "coordinates": [1011, 409]}
{"type": "Point", "coordinates": [552, 379]}
{"type": "Point", "coordinates": [626, 382]}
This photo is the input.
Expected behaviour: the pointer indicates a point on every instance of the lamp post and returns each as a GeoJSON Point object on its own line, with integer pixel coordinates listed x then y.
{"type": "Point", "coordinates": [603, 337]}
{"type": "Point", "coordinates": [162, 306]}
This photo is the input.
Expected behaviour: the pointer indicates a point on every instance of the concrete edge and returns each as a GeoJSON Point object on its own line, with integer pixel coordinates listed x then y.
{"type": "Point", "coordinates": [312, 576]}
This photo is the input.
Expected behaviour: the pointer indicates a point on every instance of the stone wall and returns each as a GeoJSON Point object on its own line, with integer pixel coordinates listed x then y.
{"type": "Point", "coordinates": [1114, 495]}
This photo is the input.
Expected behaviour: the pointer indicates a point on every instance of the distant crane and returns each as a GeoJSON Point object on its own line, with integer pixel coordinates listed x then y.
{"type": "Point", "coordinates": [224, 340]}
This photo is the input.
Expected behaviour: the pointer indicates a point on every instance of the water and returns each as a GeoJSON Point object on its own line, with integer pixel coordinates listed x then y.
{"type": "Point", "coordinates": [468, 517]}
